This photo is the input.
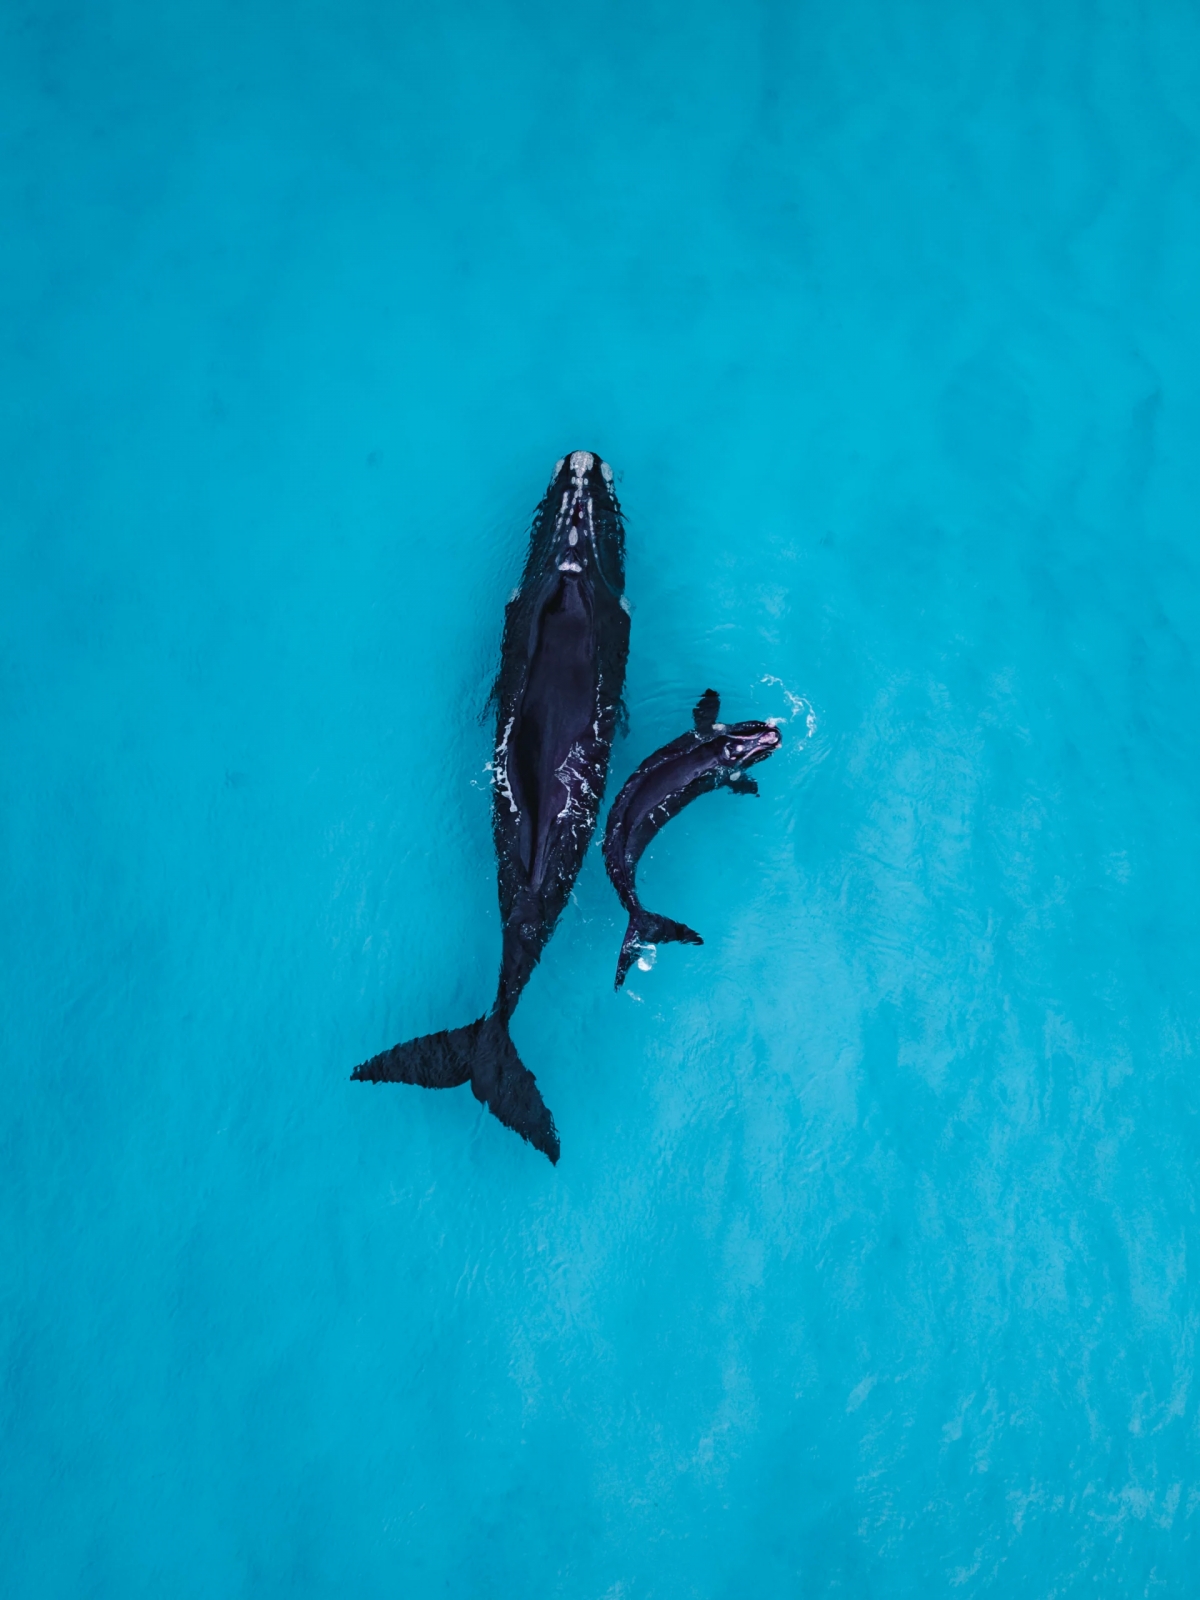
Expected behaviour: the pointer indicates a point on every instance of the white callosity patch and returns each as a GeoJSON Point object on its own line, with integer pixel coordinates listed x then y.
{"type": "Point", "coordinates": [573, 499]}
{"type": "Point", "coordinates": [606, 472]}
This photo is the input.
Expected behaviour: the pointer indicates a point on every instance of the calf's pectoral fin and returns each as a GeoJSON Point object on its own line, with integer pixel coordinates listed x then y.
{"type": "Point", "coordinates": [739, 783]}
{"type": "Point", "coordinates": [707, 710]}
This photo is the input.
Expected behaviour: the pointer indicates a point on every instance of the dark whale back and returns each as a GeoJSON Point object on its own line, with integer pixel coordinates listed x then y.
{"type": "Point", "coordinates": [558, 699]}
{"type": "Point", "coordinates": [558, 696]}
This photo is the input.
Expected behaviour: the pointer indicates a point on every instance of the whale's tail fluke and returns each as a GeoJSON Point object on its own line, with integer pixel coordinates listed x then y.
{"type": "Point", "coordinates": [645, 928]}
{"type": "Point", "coordinates": [483, 1055]}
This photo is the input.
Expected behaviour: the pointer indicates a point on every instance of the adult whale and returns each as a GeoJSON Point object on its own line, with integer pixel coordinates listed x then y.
{"type": "Point", "coordinates": [558, 697]}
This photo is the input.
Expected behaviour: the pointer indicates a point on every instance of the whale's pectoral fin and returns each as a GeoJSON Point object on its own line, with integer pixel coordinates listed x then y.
{"type": "Point", "coordinates": [740, 783]}
{"type": "Point", "coordinates": [708, 709]}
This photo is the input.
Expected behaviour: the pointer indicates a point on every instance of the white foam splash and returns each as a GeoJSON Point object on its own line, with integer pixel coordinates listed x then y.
{"type": "Point", "coordinates": [799, 705]}
{"type": "Point", "coordinates": [575, 770]}
{"type": "Point", "coordinates": [500, 768]}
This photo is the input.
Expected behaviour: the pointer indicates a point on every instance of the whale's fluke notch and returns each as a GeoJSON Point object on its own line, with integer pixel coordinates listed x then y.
{"type": "Point", "coordinates": [483, 1055]}
{"type": "Point", "coordinates": [646, 928]}
{"type": "Point", "coordinates": [509, 1090]}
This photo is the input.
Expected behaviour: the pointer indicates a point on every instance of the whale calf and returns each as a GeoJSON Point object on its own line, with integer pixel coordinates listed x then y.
{"type": "Point", "coordinates": [709, 757]}
{"type": "Point", "coordinates": [558, 698]}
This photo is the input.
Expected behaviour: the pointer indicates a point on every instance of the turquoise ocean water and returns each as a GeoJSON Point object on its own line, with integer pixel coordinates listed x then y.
{"type": "Point", "coordinates": [869, 1268]}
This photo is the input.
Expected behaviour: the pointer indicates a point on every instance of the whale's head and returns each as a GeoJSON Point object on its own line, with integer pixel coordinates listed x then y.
{"type": "Point", "coordinates": [748, 742]}
{"type": "Point", "coordinates": [579, 528]}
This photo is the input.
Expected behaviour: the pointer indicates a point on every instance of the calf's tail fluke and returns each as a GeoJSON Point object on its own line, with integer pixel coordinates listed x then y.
{"type": "Point", "coordinates": [645, 928]}
{"type": "Point", "coordinates": [483, 1055]}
